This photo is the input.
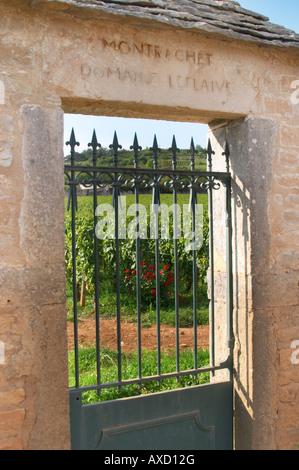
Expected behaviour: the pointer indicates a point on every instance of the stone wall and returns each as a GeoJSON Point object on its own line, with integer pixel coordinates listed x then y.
{"type": "Point", "coordinates": [54, 62]}
{"type": "Point", "coordinates": [264, 167]}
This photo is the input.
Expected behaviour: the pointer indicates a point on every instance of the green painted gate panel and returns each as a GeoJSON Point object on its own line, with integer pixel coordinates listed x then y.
{"type": "Point", "coordinates": [196, 418]}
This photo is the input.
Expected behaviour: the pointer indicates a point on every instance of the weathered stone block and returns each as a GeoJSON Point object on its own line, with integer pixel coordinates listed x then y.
{"type": "Point", "coordinates": [289, 136]}
{"type": "Point", "coordinates": [26, 287]}
{"type": "Point", "coordinates": [11, 422]}
{"type": "Point", "coordinates": [6, 124]}
{"type": "Point", "coordinates": [11, 398]}
{"type": "Point", "coordinates": [42, 213]}
{"type": "Point", "coordinates": [5, 155]}
{"type": "Point", "coordinates": [278, 107]}
{"type": "Point", "coordinates": [14, 443]}
{"type": "Point", "coordinates": [289, 394]}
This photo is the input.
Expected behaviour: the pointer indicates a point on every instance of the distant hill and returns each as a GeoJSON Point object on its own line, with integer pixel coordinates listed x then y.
{"type": "Point", "coordinates": [126, 158]}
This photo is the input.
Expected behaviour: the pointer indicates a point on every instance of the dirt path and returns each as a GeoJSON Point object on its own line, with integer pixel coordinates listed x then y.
{"type": "Point", "coordinates": [108, 335]}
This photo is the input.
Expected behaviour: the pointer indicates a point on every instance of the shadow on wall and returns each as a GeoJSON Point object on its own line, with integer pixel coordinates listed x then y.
{"type": "Point", "coordinates": [251, 142]}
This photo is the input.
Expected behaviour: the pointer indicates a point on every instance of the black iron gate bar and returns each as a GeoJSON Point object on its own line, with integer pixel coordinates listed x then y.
{"type": "Point", "coordinates": [140, 178]}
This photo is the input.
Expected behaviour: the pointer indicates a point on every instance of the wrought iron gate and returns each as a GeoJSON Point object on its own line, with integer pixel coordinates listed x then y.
{"type": "Point", "coordinates": [195, 417]}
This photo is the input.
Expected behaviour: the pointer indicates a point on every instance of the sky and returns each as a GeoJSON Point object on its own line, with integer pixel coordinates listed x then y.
{"type": "Point", "coordinates": [282, 12]}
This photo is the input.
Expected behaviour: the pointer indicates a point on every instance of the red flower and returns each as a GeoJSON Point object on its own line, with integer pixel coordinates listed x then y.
{"type": "Point", "coordinates": [169, 274]}
{"type": "Point", "coordinates": [143, 264]}
{"type": "Point", "coordinates": [127, 271]}
{"type": "Point", "coordinates": [171, 279]}
{"type": "Point", "coordinates": [134, 272]}
{"type": "Point", "coordinates": [166, 283]}
{"type": "Point", "coordinates": [180, 296]}
{"type": "Point", "coordinates": [154, 291]}
{"type": "Point", "coordinates": [152, 267]}
{"type": "Point", "coordinates": [161, 272]}
{"type": "Point", "coordinates": [169, 293]}
{"type": "Point", "coordinates": [166, 267]}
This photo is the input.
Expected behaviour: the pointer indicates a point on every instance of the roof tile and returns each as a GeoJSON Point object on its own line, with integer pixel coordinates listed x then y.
{"type": "Point", "coordinates": [223, 17]}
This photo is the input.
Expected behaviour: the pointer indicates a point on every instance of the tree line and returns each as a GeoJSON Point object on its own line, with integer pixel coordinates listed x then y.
{"type": "Point", "coordinates": [145, 160]}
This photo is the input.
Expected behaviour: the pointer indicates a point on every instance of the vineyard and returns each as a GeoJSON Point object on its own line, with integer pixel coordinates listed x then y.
{"type": "Point", "coordinates": [85, 268]}
{"type": "Point", "coordinates": [85, 279]}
